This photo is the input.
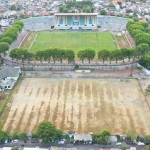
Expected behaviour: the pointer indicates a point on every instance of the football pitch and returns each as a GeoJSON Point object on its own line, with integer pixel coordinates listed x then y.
{"type": "Point", "coordinates": [70, 40]}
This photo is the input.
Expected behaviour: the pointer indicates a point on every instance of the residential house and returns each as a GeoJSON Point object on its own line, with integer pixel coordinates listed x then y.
{"type": "Point", "coordinates": [8, 77]}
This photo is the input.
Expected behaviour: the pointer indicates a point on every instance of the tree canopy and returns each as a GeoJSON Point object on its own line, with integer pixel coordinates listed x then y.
{"type": "Point", "coordinates": [145, 61]}
{"type": "Point", "coordinates": [103, 12]}
{"type": "Point", "coordinates": [48, 132]}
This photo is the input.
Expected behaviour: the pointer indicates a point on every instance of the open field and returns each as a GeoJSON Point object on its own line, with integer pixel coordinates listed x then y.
{"type": "Point", "coordinates": [82, 105]}
{"type": "Point", "coordinates": [71, 40]}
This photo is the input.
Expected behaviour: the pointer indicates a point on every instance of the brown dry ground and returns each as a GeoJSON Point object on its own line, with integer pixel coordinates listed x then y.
{"type": "Point", "coordinates": [81, 105]}
{"type": "Point", "coordinates": [123, 43]}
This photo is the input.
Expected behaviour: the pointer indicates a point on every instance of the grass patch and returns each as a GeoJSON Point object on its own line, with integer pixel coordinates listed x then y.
{"type": "Point", "coordinates": [71, 40]}
{"type": "Point", "coordinates": [118, 38]}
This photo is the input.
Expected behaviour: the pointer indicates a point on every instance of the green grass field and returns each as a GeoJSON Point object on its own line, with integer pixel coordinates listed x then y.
{"type": "Point", "coordinates": [73, 40]}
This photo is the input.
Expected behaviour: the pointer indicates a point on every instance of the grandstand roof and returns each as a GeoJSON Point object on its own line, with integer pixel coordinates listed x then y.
{"type": "Point", "coordinates": [76, 14]}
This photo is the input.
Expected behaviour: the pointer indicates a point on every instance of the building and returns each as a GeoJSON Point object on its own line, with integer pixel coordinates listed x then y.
{"type": "Point", "coordinates": [80, 137]}
{"type": "Point", "coordinates": [75, 21]}
{"type": "Point", "coordinates": [8, 77]}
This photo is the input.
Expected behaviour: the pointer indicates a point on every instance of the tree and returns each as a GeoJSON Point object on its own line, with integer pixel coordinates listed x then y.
{"type": "Point", "coordinates": [142, 38]}
{"type": "Point", "coordinates": [13, 53]}
{"type": "Point", "coordinates": [4, 47]}
{"type": "Point", "coordinates": [144, 24]}
{"type": "Point", "coordinates": [29, 56]}
{"type": "Point", "coordinates": [132, 134]}
{"type": "Point", "coordinates": [124, 53]}
{"type": "Point", "coordinates": [65, 10]}
{"type": "Point", "coordinates": [142, 49]}
{"type": "Point", "coordinates": [145, 61]}
{"type": "Point", "coordinates": [55, 53]}
{"type": "Point", "coordinates": [6, 39]}
{"type": "Point", "coordinates": [61, 55]}
{"type": "Point", "coordinates": [11, 33]}
{"type": "Point", "coordinates": [19, 22]}
{"type": "Point", "coordinates": [103, 12]}
{"type": "Point", "coordinates": [15, 135]}
{"type": "Point", "coordinates": [103, 54]}
{"type": "Point", "coordinates": [21, 53]}
{"type": "Point", "coordinates": [18, 27]}
{"type": "Point", "coordinates": [3, 134]}
{"type": "Point", "coordinates": [130, 22]}
{"type": "Point", "coordinates": [130, 52]}
{"type": "Point", "coordinates": [117, 54]}
{"type": "Point", "coordinates": [111, 56]}
{"type": "Point", "coordinates": [69, 55]}
{"type": "Point", "coordinates": [135, 26]}
{"type": "Point", "coordinates": [89, 54]}
{"type": "Point", "coordinates": [88, 9]}
{"type": "Point", "coordinates": [48, 132]}
{"type": "Point", "coordinates": [39, 55]}
{"type": "Point", "coordinates": [111, 5]}
{"type": "Point", "coordinates": [147, 91]}
{"type": "Point", "coordinates": [81, 55]}
{"type": "Point", "coordinates": [22, 135]}
{"type": "Point", "coordinates": [134, 32]}
{"type": "Point", "coordinates": [61, 7]}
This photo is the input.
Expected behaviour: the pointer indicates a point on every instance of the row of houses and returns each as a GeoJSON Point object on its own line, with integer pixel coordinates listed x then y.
{"type": "Point", "coordinates": [8, 77]}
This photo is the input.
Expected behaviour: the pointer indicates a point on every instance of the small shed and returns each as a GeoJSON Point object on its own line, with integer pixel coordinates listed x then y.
{"type": "Point", "coordinates": [80, 137]}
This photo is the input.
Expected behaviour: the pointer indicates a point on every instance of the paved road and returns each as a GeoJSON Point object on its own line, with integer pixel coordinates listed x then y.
{"type": "Point", "coordinates": [79, 147]}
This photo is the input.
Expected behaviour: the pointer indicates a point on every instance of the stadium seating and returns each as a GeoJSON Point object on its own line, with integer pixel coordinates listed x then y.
{"type": "Point", "coordinates": [46, 22]}
{"type": "Point", "coordinates": [39, 23]}
{"type": "Point", "coordinates": [112, 23]}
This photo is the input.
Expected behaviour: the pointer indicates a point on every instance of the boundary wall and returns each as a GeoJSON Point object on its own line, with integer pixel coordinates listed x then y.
{"type": "Point", "coordinates": [67, 67]}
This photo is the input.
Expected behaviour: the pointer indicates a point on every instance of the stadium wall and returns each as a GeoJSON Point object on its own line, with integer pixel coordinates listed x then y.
{"type": "Point", "coordinates": [67, 67]}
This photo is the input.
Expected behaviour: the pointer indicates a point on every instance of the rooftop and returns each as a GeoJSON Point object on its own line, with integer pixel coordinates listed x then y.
{"type": "Point", "coordinates": [76, 14]}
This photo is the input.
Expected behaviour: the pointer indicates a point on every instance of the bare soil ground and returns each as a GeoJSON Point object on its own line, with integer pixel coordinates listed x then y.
{"type": "Point", "coordinates": [81, 105]}
{"type": "Point", "coordinates": [123, 43]}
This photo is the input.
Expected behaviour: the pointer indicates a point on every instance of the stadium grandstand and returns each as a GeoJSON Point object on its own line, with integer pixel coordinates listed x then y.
{"type": "Point", "coordinates": [75, 21]}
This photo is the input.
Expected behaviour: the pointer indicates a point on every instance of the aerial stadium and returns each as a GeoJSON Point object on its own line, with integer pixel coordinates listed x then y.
{"type": "Point", "coordinates": [76, 31]}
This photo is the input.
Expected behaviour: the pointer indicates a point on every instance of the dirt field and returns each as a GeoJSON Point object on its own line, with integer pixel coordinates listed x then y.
{"type": "Point", "coordinates": [81, 105]}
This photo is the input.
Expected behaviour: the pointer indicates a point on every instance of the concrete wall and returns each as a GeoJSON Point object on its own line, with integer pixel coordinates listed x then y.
{"type": "Point", "coordinates": [68, 67]}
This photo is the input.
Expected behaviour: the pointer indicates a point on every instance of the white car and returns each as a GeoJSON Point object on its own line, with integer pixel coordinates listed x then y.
{"type": "Point", "coordinates": [140, 143]}
{"type": "Point", "coordinates": [14, 141]}
{"type": "Point", "coordinates": [118, 144]}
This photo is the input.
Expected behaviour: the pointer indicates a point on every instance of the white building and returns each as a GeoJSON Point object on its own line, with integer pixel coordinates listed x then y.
{"type": "Point", "coordinates": [8, 77]}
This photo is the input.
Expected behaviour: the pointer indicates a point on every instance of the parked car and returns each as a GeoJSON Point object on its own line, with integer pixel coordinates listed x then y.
{"type": "Point", "coordinates": [61, 142]}
{"type": "Point", "coordinates": [140, 143]}
{"type": "Point", "coordinates": [118, 144]}
{"type": "Point", "coordinates": [14, 141]}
